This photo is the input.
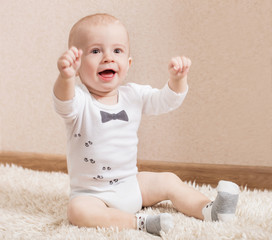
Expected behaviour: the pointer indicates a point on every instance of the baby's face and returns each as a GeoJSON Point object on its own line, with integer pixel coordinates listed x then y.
{"type": "Point", "coordinates": [105, 60]}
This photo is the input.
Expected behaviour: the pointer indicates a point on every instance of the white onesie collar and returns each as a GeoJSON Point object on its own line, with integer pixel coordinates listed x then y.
{"type": "Point", "coordinates": [99, 104]}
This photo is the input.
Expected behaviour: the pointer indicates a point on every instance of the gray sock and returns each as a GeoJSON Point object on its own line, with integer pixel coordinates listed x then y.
{"type": "Point", "coordinates": [154, 224]}
{"type": "Point", "coordinates": [224, 206]}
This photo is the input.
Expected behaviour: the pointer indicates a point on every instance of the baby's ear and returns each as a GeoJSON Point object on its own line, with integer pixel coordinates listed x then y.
{"type": "Point", "coordinates": [129, 62]}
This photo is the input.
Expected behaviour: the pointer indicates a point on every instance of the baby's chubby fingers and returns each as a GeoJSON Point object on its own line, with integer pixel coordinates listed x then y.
{"type": "Point", "coordinates": [179, 64]}
{"type": "Point", "coordinates": [75, 53]}
{"type": "Point", "coordinates": [63, 63]}
{"type": "Point", "coordinates": [72, 55]}
{"type": "Point", "coordinates": [179, 67]}
{"type": "Point", "coordinates": [70, 59]}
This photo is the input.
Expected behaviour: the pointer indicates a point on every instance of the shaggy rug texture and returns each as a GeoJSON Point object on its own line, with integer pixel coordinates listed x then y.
{"type": "Point", "coordinates": [33, 206]}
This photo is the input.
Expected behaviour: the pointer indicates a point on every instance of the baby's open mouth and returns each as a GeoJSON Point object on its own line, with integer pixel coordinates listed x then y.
{"type": "Point", "coordinates": [107, 74]}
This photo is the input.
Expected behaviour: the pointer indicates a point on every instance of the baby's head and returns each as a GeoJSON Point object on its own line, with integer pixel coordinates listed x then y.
{"type": "Point", "coordinates": [105, 61]}
{"type": "Point", "coordinates": [83, 24]}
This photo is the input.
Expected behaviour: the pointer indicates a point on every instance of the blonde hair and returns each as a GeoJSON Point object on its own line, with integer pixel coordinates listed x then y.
{"type": "Point", "coordinates": [94, 19]}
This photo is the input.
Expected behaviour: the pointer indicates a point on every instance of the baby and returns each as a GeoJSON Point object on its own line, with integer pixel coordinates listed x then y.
{"type": "Point", "coordinates": [102, 117]}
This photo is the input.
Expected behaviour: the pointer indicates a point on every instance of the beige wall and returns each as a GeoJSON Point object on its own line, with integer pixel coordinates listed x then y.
{"type": "Point", "coordinates": [227, 116]}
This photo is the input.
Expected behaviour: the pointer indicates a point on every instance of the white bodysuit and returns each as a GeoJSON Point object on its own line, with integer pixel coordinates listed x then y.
{"type": "Point", "coordinates": [102, 141]}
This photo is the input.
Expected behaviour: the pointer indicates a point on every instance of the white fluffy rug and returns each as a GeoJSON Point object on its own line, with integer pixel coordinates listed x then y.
{"type": "Point", "coordinates": [33, 206]}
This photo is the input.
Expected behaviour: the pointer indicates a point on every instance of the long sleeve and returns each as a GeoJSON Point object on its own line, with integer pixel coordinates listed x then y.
{"type": "Point", "coordinates": [158, 101]}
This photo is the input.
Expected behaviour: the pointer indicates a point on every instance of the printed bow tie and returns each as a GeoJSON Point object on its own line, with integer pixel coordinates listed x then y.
{"type": "Point", "coordinates": [105, 117]}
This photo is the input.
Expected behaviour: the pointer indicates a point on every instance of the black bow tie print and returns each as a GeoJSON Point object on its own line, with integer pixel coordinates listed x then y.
{"type": "Point", "coordinates": [105, 117]}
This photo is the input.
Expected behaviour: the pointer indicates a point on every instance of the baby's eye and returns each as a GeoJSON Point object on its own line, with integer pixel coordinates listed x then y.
{"type": "Point", "coordinates": [95, 51]}
{"type": "Point", "coordinates": [117, 50]}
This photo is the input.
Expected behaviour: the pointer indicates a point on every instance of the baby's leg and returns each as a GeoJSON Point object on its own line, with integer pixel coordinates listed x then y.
{"type": "Point", "coordinates": [156, 187]}
{"type": "Point", "coordinates": [86, 211]}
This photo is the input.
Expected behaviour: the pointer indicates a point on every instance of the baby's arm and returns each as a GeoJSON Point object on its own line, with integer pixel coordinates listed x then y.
{"type": "Point", "coordinates": [178, 69]}
{"type": "Point", "coordinates": [68, 65]}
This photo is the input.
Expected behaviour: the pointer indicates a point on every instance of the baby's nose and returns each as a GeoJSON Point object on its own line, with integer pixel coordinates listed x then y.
{"type": "Point", "coordinates": [108, 57]}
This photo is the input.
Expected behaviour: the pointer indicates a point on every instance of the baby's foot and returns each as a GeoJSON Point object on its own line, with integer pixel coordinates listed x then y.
{"type": "Point", "coordinates": [155, 224]}
{"type": "Point", "coordinates": [224, 206]}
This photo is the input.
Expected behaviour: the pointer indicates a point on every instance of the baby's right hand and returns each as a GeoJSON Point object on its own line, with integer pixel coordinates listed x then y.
{"type": "Point", "coordinates": [69, 62]}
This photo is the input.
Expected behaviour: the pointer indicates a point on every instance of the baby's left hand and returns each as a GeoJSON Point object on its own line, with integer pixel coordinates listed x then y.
{"type": "Point", "coordinates": [179, 67]}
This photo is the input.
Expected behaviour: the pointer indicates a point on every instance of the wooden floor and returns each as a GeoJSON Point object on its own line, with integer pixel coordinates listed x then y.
{"type": "Point", "coordinates": [250, 176]}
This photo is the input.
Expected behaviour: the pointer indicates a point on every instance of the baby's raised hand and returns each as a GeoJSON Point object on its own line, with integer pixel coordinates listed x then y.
{"type": "Point", "coordinates": [69, 62]}
{"type": "Point", "coordinates": [179, 67]}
